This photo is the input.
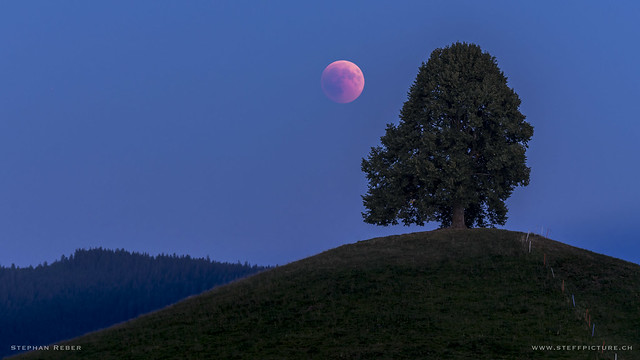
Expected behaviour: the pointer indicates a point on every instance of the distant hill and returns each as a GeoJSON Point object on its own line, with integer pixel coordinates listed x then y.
{"type": "Point", "coordinates": [96, 288]}
{"type": "Point", "coordinates": [446, 294]}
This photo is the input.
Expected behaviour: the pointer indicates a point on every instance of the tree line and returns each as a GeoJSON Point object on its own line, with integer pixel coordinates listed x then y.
{"type": "Point", "coordinates": [96, 288]}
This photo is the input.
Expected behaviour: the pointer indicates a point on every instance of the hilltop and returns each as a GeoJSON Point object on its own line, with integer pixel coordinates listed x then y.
{"type": "Point", "coordinates": [445, 294]}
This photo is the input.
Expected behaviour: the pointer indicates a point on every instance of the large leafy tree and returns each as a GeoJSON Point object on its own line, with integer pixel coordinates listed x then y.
{"type": "Point", "coordinates": [458, 151]}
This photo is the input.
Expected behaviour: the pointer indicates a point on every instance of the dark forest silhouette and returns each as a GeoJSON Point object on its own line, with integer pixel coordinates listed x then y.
{"type": "Point", "coordinates": [96, 288]}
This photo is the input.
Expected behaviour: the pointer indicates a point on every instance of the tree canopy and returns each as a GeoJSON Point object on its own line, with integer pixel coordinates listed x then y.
{"type": "Point", "coordinates": [458, 151]}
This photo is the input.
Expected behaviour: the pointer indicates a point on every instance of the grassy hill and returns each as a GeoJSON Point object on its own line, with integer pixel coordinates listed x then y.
{"type": "Point", "coordinates": [446, 294]}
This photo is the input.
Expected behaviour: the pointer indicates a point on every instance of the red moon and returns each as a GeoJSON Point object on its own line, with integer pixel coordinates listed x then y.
{"type": "Point", "coordinates": [342, 81]}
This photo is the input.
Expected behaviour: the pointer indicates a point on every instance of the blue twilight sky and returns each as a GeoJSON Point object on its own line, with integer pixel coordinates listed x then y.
{"type": "Point", "coordinates": [199, 127]}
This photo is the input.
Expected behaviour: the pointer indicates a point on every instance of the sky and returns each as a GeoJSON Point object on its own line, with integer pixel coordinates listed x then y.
{"type": "Point", "coordinates": [201, 128]}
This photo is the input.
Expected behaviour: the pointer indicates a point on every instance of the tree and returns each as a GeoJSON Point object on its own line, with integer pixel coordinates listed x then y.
{"type": "Point", "coordinates": [458, 151]}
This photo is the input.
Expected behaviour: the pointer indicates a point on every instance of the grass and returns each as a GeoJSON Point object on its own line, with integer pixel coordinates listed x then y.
{"type": "Point", "coordinates": [446, 294]}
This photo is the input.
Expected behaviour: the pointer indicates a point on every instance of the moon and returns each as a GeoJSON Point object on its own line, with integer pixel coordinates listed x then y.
{"type": "Point", "coordinates": [342, 81]}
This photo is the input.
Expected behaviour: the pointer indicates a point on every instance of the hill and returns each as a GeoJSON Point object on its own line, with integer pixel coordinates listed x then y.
{"type": "Point", "coordinates": [93, 289]}
{"type": "Point", "coordinates": [446, 294]}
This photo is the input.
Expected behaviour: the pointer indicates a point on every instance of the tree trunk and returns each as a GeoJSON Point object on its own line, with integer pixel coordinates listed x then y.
{"type": "Point", "coordinates": [457, 221]}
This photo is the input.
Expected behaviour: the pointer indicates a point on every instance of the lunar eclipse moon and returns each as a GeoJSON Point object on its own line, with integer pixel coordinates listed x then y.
{"type": "Point", "coordinates": [342, 81]}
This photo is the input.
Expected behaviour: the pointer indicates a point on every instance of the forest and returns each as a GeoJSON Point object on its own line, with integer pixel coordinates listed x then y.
{"type": "Point", "coordinates": [95, 288]}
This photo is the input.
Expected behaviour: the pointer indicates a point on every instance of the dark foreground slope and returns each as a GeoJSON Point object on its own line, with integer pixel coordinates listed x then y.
{"type": "Point", "coordinates": [448, 294]}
